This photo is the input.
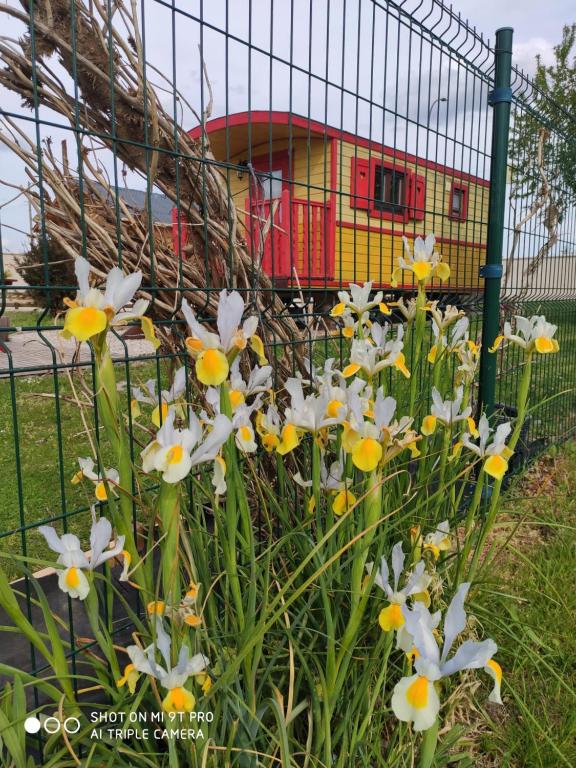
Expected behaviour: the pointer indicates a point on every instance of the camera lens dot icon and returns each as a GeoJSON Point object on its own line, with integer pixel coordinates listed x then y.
{"type": "Point", "coordinates": [32, 725]}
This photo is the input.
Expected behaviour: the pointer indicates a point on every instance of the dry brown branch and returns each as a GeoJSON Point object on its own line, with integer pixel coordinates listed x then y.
{"type": "Point", "coordinates": [121, 108]}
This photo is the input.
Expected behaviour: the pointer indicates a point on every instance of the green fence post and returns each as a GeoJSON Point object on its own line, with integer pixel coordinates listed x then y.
{"type": "Point", "coordinates": [500, 99]}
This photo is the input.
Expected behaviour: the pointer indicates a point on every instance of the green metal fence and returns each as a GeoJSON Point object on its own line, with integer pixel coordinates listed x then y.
{"type": "Point", "coordinates": [280, 148]}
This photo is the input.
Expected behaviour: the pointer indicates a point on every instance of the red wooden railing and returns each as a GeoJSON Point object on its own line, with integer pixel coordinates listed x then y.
{"type": "Point", "coordinates": [297, 242]}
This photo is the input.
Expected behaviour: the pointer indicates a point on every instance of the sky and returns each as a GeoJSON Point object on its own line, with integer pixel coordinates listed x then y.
{"type": "Point", "coordinates": [368, 54]}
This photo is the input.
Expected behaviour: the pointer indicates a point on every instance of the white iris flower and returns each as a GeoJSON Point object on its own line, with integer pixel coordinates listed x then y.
{"type": "Point", "coordinates": [172, 679]}
{"type": "Point", "coordinates": [72, 579]}
{"type": "Point", "coordinates": [415, 698]}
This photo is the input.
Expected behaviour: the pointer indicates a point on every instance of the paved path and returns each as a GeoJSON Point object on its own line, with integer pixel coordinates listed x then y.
{"type": "Point", "coordinates": [31, 353]}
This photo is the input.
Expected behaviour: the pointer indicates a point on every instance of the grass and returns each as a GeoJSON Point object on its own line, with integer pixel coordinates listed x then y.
{"type": "Point", "coordinates": [38, 460]}
{"type": "Point", "coordinates": [531, 612]}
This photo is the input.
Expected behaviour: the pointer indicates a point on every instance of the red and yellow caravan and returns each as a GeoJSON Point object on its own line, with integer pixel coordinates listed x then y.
{"type": "Point", "coordinates": [324, 207]}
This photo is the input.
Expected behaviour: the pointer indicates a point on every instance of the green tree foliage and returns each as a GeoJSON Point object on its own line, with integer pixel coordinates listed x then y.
{"type": "Point", "coordinates": [543, 142]}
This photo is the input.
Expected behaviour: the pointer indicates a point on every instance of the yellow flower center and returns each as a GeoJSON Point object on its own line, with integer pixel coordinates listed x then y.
{"type": "Point", "coordinates": [417, 693]}
{"type": "Point", "coordinates": [496, 467]}
{"type": "Point", "coordinates": [156, 608]}
{"type": "Point", "coordinates": [422, 269]}
{"type": "Point", "coordinates": [245, 434]}
{"type": "Point", "coordinates": [366, 454]}
{"type": "Point", "coordinates": [85, 322]}
{"type": "Point", "coordinates": [175, 454]}
{"type": "Point", "coordinates": [179, 700]}
{"type": "Point", "coordinates": [100, 491]}
{"type": "Point", "coordinates": [391, 617]}
{"type": "Point", "coordinates": [72, 578]}
{"type": "Point", "coordinates": [236, 398]}
{"type": "Point", "coordinates": [212, 367]}
{"type": "Point", "coordinates": [333, 408]}
{"type": "Point", "coordinates": [544, 345]}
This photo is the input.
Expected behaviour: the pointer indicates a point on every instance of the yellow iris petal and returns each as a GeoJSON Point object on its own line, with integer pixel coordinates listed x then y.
{"type": "Point", "coordinates": [156, 607]}
{"type": "Point", "coordinates": [366, 454]}
{"type": "Point", "coordinates": [149, 331]}
{"type": "Point", "coordinates": [350, 370]}
{"type": "Point", "coordinates": [270, 442]}
{"type": "Point", "coordinates": [497, 342]}
{"type": "Point", "coordinates": [212, 367]}
{"type": "Point", "coordinates": [417, 693]}
{"type": "Point", "coordinates": [342, 502]}
{"type": "Point", "coordinates": [472, 427]}
{"type": "Point", "coordinates": [442, 271]}
{"type": "Point", "coordinates": [338, 309]}
{"type": "Point", "coordinates": [85, 322]}
{"type": "Point", "coordinates": [428, 425]}
{"type": "Point", "coordinates": [391, 617]}
{"type": "Point", "coordinates": [257, 346]}
{"type": "Point", "coordinates": [156, 414]}
{"type": "Point", "coordinates": [496, 466]}
{"type": "Point", "coordinates": [400, 365]}
{"type": "Point", "coordinates": [72, 578]}
{"type": "Point", "coordinates": [414, 450]}
{"type": "Point", "coordinates": [348, 332]}
{"type": "Point", "coordinates": [496, 668]}
{"type": "Point", "coordinates": [432, 354]}
{"type": "Point", "coordinates": [194, 346]}
{"type": "Point", "coordinates": [544, 345]}
{"type": "Point", "coordinates": [289, 440]}
{"type": "Point", "coordinates": [384, 308]}
{"type": "Point", "coordinates": [422, 270]}
{"type": "Point", "coordinates": [178, 700]}
{"type": "Point", "coordinates": [130, 676]}
{"type": "Point", "coordinates": [236, 398]}
{"type": "Point", "coordinates": [333, 408]}
{"type": "Point", "coordinates": [192, 620]}
{"type": "Point", "coordinates": [100, 491]}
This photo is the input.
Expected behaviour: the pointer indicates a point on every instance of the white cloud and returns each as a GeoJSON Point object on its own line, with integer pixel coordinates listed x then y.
{"type": "Point", "coordinates": [525, 53]}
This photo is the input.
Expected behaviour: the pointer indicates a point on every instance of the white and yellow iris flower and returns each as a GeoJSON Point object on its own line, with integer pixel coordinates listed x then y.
{"type": "Point", "coordinates": [93, 312]}
{"type": "Point", "coordinates": [495, 452]}
{"type": "Point", "coordinates": [415, 698]}
{"type": "Point", "coordinates": [174, 452]}
{"type": "Point", "coordinates": [449, 340]}
{"type": "Point", "coordinates": [174, 680]}
{"type": "Point", "coordinates": [439, 540]}
{"type": "Point", "coordinates": [447, 412]}
{"type": "Point", "coordinates": [306, 413]}
{"type": "Point", "coordinates": [110, 477]}
{"type": "Point", "coordinates": [371, 443]}
{"type": "Point", "coordinates": [424, 262]}
{"type": "Point", "coordinates": [168, 397]}
{"type": "Point", "coordinates": [533, 334]}
{"type": "Point", "coordinates": [333, 481]}
{"type": "Point", "coordinates": [374, 354]}
{"type": "Point", "coordinates": [215, 352]}
{"type": "Point", "coordinates": [268, 426]}
{"type": "Point", "coordinates": [259, 381]}
{"type": "Point", "coordinates": [72, 578]}
{"type": "Point", "coordinates": [416, 584]}
{"type": "Point", "coordinates": [359, 302]}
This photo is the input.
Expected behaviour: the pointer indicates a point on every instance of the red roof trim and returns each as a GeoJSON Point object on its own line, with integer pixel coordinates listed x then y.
{"type": "Point", "coordinates": [286, 118]}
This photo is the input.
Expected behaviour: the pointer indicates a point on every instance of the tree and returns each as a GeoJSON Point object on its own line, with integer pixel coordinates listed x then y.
{"type": "Point", "coordinates": [543, 147]}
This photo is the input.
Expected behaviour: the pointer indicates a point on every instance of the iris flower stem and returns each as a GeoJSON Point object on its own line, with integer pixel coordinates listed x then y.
{"type": "Point", "coordinates": [110, 415]}
{"type": "Point", "coordinates": [169, 513]}
{"type": "Point", "coordinates": [386, 641]}
{"type": "Point", "coordinates": [472, 509]}
{"type": "Point", "coordinates": [523, 392]}
{"type": "Point", "coordinates": [229, 539]}
{"type": "Point", "coordinates": [428, 748]}
{"type": "Point", "coordinates": [419, 326]}
{"type": "Point", "coordinates": [372, 510]}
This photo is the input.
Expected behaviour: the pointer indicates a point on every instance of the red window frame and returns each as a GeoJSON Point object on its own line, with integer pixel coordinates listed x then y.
{"type": "Point", "coordinates": [362, 188]}
{"type": "Point", "coordinates": [463, 215]}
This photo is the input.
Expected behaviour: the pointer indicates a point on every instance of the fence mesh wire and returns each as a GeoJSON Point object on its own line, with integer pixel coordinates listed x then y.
{"type": "Point", "coordinates": [282, 149]}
